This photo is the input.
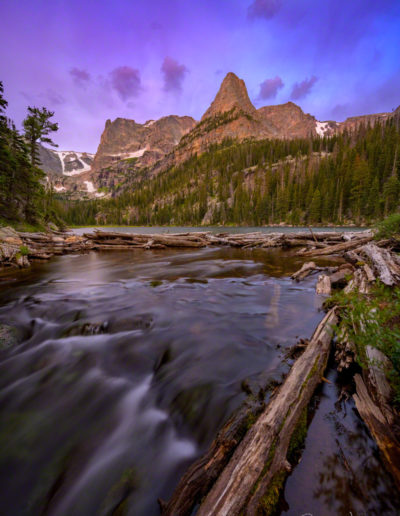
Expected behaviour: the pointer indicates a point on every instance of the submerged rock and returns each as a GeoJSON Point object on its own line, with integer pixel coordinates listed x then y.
{"type": "Point", "coordinates": [8, 336]}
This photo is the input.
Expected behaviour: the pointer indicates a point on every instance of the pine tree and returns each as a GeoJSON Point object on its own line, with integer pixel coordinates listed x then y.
{"type": "Point", "coordinates": [391, 193]}
{"type": "Point", "coordinates": [315, 207]}
{"type": "Point", "coordinates": [37, 127]}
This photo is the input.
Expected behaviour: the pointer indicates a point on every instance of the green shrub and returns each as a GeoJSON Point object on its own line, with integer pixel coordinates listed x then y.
{"type": "Point", "coordinates": [23, 250]}
{"type": "Point", "coordinates": [389, 227]}
{"type": "Point", "coordinates": [373, 320]}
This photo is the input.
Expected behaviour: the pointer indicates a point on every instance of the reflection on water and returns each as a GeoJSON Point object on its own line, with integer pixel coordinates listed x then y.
{"type": "Point", "coordinates": [128, 364]}
{"type": "Point", "coordinates": [340, 470]}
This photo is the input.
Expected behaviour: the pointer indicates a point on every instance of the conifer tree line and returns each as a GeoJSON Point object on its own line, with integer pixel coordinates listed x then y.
{"type": "Point", "coordinates": [352, 177]}
{"type": "Point", "coordinates": [23, 196]}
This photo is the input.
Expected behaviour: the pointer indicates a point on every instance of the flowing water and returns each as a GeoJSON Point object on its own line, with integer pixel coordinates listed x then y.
{"type": "Point", "coordinates": [129, 362]}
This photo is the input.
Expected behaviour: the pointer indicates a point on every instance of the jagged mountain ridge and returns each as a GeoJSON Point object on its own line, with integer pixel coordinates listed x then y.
{"type": "Point", "coordinates": [126, 147]}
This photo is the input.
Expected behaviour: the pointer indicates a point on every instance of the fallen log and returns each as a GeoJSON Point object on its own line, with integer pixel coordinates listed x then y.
{"type": "Point", "coordinates": [259, 463]}
{"type": "Point", "coordinates": [381, 260]}
{"type": "Point", "coordinates": [201, 475]}
{"type": "Point", "coordinates": [339, 278]}
{"type": "Point", "coordinates": [380, 429]}
{"type": "Point", "coordinates": [306, 269]}
{"type": "Point", "coordinates": [346, 246]}
{"type": "Point", "coordinates": [323, 285]}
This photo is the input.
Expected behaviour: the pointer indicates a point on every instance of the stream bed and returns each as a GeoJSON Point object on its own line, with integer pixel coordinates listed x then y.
{"type": "Point", "coordinates": [129, 362]}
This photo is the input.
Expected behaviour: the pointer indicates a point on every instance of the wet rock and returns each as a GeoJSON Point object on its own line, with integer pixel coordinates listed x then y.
{"type": "Point", "coordinates": [8, 336]}
{"type": "Point", "coordinates": [87, 329]}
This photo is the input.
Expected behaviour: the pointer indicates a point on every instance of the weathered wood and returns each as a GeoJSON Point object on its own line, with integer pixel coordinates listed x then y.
{"type": "Point", "coordinates": [261, 456]}
{"type": "Point", "coordinates": [305, 270]}
{"type": "Point", "coordinates": [202, 474]}
{"type": "Point", "coordinates": [346, 246]}
{"type": "Point", "coordinates": [380, 429]}
{"type": "Point", "coordinates": [378, 385]}
{"type": "Point", "coordinates": [338, 278]}
{"type": "Point", "coordinates": [385, 267]}
{"type": "Point", "coordinates": [323, 285]}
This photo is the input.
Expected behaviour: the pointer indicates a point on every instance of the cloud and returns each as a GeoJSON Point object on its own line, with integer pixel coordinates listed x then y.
{"type": "Point", "coordinates": [80, 77]}
{"type": "Point", "coordinates": [303, 88]}
{"type": "Point", "coordinates": [174, 74]}
{"type": "Point", "coordinates": [54, 98]}
{"type": "Point", "coordinates": [50, 96]}
{"type": "Point", "coordinates": [264, 8]}
{"type": "Point", "coordinates": [126, 82]}
{"type": "Point", "coordinates": [270, 87]}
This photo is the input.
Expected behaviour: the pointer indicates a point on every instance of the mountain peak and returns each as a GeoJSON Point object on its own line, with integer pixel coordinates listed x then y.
{"type": "Point", "coordinates": [232, 94]}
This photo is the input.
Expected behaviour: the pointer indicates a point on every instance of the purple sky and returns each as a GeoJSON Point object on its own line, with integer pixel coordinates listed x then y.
{"type": "Point", "coordinates": [90, 60]}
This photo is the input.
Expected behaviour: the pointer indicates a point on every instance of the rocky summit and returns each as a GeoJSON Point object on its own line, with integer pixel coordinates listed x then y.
{"type": "Point", "coordinates": [232, 95]}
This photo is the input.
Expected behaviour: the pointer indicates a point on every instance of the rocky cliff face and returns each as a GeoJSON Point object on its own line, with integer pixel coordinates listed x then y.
{"type": "Point", "coordinates": [146, 143]}
{"type": "Point", "coordinates": [288, 121]}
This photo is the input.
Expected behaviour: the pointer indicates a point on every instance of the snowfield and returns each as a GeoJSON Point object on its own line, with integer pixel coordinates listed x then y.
{"type": "Point", "coordinates": [321, 128]}
{"type": "Point", "coordinates": [68, 156]}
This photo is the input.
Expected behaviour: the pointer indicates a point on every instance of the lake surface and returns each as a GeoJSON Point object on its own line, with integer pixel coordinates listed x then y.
{"type": "Point", "coordinates": [128, 364]}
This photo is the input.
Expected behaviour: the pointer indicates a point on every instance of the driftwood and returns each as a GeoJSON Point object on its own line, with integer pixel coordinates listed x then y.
{"type": "Point", "coordinates": [385, 266]}
{"type": "Point", "coordinates": [322, 241]}
{"type": "Point", "coordinates": [323, 285]}
{"type": "Point", "coordinates": [373, 392]}
{"type": "Point", "coordinates": [306, 269]}
{"type": "Point", "coordinates": [261, 457]}
{"type": "Point", "coordinates": [380, 429]}
{"type": "Point", "coordinates": [352, 257]}
{"type": "Point", "coordinates": [201, 475]}
{"type": "Point", "coordinates": [346, 246]}
{"type": "Point", "coordinates": [340, 277]}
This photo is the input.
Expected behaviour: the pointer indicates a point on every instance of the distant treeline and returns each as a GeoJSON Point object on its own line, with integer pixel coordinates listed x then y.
{"type": "Point", "coordinates": [352, 177]}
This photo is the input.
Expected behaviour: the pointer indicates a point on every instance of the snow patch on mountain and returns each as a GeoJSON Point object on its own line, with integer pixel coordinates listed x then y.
{"type": "Point", "coordinates": [67, 157]}
{"type": "Point", "coordinates": [59, 188]}
{"type": "Point", "coordinates": [90, 186]}
{"type": "Point", "coordinates": [125, 155]}
{"type": "Point", "coordinates": [93, 190]}
{"type": "Point", "coordinates": [321, 128]}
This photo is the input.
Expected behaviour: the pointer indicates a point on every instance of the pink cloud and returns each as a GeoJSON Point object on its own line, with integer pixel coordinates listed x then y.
{"type": "Point", "coordinates": [80, 77]}
{"type": "Point", "coordinates": [174, 73]}
{"type": "Point", "coordinates": [126, 82]}
{"type": "Point", "coordinates": [270, 87]}
{"type": "Point", "coordinates": [264, 9]}
{"type": "Point", "coordinates": [303, 88]}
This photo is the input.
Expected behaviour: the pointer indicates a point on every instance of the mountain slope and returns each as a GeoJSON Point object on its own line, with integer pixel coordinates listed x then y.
{"type": "Point", "coordinates": [349, 178]}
